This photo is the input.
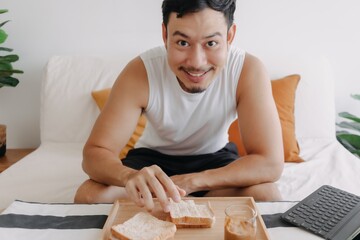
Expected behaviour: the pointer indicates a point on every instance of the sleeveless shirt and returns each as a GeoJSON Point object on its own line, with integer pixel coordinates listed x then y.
{"type": "Point", "coordinates": [182, 123]}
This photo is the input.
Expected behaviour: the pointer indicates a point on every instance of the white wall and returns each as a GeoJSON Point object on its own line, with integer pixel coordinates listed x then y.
{"type": "Point", "coordinates": [42, 28]}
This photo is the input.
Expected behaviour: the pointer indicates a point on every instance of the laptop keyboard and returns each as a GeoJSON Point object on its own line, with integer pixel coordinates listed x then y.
{"type": "Point", "coordinates": [324, 211]}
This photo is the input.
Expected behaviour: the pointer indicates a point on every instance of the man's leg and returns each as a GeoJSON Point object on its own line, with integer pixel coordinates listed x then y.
{"type": "Point", "coordinates": [94, 192]}
{"type": "Point", "coordinates": [261, 192]}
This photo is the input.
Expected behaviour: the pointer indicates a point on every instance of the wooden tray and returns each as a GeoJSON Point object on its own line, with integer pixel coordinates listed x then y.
{"type": "Point", "coordinates": [123, 210]}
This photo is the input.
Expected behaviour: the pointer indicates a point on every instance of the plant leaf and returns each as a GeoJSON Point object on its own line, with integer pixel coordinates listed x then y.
{"type": "Point", "coordinates": [342, 132]}
{"type": "Point", "coordinates": [9, 58]}
{"type": "Point", "coordinates": [3, 11]}
{"type": "Point", "coordinates": [6, 49]}
{"type": "Point", "coordinates": [9, 72]}
{"type": "Point", "coordinates": [346, 144]}
{"type": "Point", "coordinates": [349, 116]}
{"type": "Point", "coordinates": [350, 125]}
{"type": "Point", "coordinates": [355, 96]}
{"type": "Point", "coordinates": [17, 71]}
{"type": "Point", "coordinates": [357, 152]}
{"type": "Point", "coordinates": [3, 36]}
{"type": "Point", "coordinates": [5, 66]}
{"type": "Point", "coordinates": [352, 139]}
{"type": "Point", "coordinates": [9, 81]}
{"type": "Point", "coordinates": [3, 23]}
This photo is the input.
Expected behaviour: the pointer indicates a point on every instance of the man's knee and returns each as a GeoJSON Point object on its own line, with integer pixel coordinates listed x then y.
{"type": "Point", "coordinates": [265, 192]}
{"type": "Point", "coordinates": [84, 194]}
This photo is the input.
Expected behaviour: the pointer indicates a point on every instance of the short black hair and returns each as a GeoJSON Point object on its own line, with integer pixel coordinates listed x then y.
{"type": "Point", "coordinates": [183, 7]}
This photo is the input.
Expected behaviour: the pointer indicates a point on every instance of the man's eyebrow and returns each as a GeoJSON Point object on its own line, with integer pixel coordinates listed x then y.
{"type": "Point", "coordinates": [178, 33]}
{"type": "Point", "coordinates": [214, 35]}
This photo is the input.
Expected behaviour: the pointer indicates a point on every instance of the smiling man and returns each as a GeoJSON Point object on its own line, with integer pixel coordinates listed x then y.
{"type": "Point", "coordinates": [190, 90]}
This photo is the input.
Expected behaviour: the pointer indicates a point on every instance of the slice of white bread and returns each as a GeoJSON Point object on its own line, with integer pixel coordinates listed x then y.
{"type": "Point", "coordinates": [188, 214]}
{"type": "Point", "coordinates": [144, 226]}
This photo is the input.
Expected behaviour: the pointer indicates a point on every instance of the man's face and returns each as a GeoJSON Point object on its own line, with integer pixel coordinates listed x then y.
{"type": "Point", "coordinates": [197, 46]}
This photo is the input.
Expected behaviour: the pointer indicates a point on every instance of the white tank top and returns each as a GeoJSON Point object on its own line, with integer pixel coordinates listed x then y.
{"type": "Point", "coordinates": [182, 123]}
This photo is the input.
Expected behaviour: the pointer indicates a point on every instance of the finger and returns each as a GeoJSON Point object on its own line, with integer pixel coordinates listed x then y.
{"type": "Point", "coordinates": [134, 195]}
{"type": "Point", "coordinates": [182, 192]}
{"type": "Point", "coordinates": [159, 182]}
{"type": "Point", "coordinates": [141, 200]}
{"type": "Point", "coordinates": [160, 194]}
{"type": "Point", "coordinates": [170, 187]}
{"type": "Point", "coordinates": [146, 196]}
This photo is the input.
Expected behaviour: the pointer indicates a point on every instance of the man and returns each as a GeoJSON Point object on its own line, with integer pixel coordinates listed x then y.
{"type": "Point", "coordinates": [190, 91]}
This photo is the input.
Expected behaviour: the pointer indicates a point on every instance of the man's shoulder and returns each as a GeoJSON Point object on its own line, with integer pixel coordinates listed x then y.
{"type": "Point", "coordinates": [236, 49]}
{"type": "Point", "coordinates": [248, 60]}
{"type": "Point", "coordinates": [155, 62]}
{"type": "Point", "coordinates": [236, 56]}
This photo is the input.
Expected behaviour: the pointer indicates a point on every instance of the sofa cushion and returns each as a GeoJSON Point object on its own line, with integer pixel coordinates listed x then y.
{"type": "Point", "coordinates": [67, 112]}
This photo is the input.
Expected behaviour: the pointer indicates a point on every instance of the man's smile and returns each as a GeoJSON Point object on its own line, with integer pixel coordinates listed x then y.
{"type": "Point", "coordinates": [195, 75]}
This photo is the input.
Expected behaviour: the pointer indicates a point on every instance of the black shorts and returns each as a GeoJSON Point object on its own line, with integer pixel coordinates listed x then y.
{"type": "Point", "coordinates": [173, 165]}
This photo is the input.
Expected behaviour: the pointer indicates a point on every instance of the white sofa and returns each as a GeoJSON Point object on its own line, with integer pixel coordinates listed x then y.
{"type": "Point", "coordinates": [52, 173]}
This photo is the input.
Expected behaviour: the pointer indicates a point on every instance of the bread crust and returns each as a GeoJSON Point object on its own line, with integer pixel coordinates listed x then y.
{"type": "Point", "coordinates": [203, 215]}
{"type": "Point", "coordinates": [164, 236]}
{"type": "Point", "coordinates": [118, 235]}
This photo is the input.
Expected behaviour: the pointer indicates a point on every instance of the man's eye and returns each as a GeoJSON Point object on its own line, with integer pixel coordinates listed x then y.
{"type": "Point", "coordinates": [211, 44]}
{"type": "Point", "coordinates": [183, 43]}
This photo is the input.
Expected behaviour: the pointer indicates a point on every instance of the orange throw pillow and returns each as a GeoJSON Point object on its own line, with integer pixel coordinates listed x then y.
{"type": "Point", "coordinates": [100, 98]}
{"type": "Point", "coordinates": [283, 90]}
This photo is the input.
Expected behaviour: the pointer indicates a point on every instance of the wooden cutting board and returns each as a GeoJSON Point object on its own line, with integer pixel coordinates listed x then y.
{"type": "Point", "coordinates": [123, 210]}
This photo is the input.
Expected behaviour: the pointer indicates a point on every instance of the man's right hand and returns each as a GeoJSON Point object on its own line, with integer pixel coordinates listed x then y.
{"type": "Point", "coordinates": [152, 181]}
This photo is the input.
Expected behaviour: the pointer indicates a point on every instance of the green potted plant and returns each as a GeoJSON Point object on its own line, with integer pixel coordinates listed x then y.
{"type": "Point", "coordinates": [6, 68]}
{"type": "Point", "coordinates": [6, 72]}
{"type": "Point", "coordinates": [350, 139]}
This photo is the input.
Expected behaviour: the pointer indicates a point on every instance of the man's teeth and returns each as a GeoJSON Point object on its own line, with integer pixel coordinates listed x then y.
{"type": "Point", "coordinates": [196, 74]}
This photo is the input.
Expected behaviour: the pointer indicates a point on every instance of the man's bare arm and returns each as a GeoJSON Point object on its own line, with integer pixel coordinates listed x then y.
{"type": "Point", "coordinates": [115, 125]}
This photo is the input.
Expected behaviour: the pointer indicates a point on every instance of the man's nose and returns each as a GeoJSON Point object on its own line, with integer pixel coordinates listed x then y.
{"type": "Point", "coordinates": [197, 57]}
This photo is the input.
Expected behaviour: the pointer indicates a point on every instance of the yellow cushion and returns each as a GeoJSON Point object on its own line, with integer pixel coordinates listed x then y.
{"type": "Point", "coordinates": [283, 90]}
{"type": "Point", "coordinates": [100, 98]}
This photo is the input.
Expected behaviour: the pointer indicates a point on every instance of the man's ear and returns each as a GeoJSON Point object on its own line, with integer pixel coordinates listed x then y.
{"type": "Point", "coordinates": [231, 34]}
{"type": "Point", "coordinates": [164, 35]}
